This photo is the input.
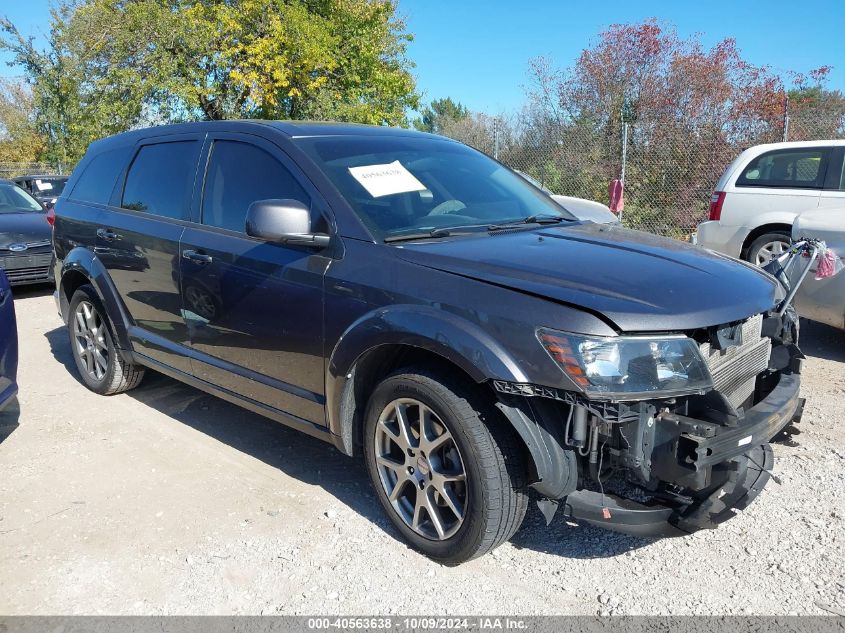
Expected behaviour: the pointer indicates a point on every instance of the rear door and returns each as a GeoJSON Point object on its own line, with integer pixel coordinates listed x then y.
{"type": "Point", "coordinates": [254, 309]}
{"type": "Point", "coordinates": [138, 242]}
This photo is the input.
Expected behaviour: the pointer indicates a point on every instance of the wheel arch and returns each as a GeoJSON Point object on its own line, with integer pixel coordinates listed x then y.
{"type": "Point", "coordinates": [353, 372]}
{"type": "Point", "coordinates": [82, 267]}
{"type": "Point", "coordinates": [394, 332]}
{"type": "Point", "coordinates": [770, 227]}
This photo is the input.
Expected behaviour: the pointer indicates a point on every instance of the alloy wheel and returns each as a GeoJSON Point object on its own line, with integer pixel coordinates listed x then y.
{"type": "Point", "coordinates": [421, 469]}
{"type": "Point", "coordinates": [89, 335]}
{"type": "Point", "coordinates": [771, 250]}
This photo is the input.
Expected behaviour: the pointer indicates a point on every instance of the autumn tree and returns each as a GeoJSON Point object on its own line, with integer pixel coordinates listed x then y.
{"type": "Point", "coordinates": [689, 110]}
{"type": "Point", "coordinates": [20, 141]}
{"type": "Point", "coordinates": [111, 65]}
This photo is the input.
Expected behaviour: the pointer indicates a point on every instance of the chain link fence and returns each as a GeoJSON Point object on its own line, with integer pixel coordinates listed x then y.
{"type": "Point", "coordinates": [13, 170]}
{"type": "Point", "coordinates": [670, 170]}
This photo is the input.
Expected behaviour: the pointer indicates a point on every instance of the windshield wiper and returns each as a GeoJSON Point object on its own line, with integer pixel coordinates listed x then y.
{"type": "Point", "coordinates": [531, 219]}
{"type": "Point", "coordinates": [421, 235]}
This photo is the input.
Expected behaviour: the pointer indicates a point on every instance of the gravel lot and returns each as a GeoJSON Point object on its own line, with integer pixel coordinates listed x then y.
{"type": "Point", "coordinates": [169, 501]}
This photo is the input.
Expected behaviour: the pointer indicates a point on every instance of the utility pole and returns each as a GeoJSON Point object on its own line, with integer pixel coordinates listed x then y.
{"type": "Point", "coordinates": [786, 118]}
{"type": "Point", "coordinates": [496, 138]}
{"type": "Point", "coordinates": [624, 151]}
{"type": "Point", "coordinates": [625, 116]}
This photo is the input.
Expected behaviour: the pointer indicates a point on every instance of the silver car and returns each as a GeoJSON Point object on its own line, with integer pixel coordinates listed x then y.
{"type": "Point", "coordinates": [822, 300]}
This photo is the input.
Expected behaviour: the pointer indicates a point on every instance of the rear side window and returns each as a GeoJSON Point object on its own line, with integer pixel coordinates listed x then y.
{"type": "Point", "coordinates": [161, 178]}
{"type": "Point", "coordinates": [238, 175]}
{"type": "Point", "coordinates": [794, 168]}
{"type": "Point", "coordinates": [97, 180]}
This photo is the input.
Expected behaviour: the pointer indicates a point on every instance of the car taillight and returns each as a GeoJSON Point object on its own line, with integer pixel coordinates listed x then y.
{"type": "Point", "coordinates": [716, 202]}
{"type": "Point", "coordinates": [51, 216]}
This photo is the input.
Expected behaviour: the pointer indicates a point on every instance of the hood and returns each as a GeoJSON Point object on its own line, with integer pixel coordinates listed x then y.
{"type": "Point", "coordinates": [638, 281]}
{"type": "Point", "coordinates": [24, 228]}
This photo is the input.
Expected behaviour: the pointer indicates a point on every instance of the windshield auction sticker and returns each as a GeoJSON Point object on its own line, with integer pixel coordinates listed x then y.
{"type": "Point", "coordinates": [387, 179]}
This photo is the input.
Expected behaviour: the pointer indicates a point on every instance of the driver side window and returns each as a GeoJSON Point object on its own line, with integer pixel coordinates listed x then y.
{"type": "Point", "coordinates": [238, 175]}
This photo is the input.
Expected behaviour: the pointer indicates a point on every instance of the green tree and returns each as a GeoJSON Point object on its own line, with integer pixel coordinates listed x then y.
{"type": "Point", "coordinates": [111, 65]}
{"type": "Point", "coordinates": [814, 110]}
{"type": "Point", "coordinates": [439, 114]}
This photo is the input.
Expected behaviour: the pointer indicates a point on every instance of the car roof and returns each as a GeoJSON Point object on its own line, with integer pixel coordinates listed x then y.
{"type": "Point", "coordinates": [766, 147]}
{"type": "Point", "coordinates": [291, 129]}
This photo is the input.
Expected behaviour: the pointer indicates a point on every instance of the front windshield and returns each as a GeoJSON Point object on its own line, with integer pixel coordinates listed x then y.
{"type": "Point", "coordinates": [409, 185]}
{"type": "Point", "coordinates": [13, 199]}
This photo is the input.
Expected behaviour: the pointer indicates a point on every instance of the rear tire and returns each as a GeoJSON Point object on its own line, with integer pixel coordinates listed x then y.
{"type": "Point", "coordinates": [463, 433]}
{"type": "Point", "coordinates": [100, 365]}
{"type": "Point", "coordinates": [768, 246]}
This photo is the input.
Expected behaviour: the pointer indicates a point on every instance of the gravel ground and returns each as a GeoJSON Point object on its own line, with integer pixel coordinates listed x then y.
{"type": "Point", "coordinates": [169, 501]}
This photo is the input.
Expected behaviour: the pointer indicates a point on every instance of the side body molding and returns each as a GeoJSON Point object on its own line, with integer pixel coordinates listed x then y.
{"type": "Point", "coordinates": [82, 260]}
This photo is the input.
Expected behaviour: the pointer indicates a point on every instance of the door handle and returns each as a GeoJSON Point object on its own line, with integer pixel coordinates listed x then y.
{"type": "Point", "coordinates": [107, 234]}
{"type": "Point", "coordinates": [199, 258]}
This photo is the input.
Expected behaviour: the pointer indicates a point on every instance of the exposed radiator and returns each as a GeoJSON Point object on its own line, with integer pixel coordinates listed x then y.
{"type": "Point", "coordinates": [735, 369]}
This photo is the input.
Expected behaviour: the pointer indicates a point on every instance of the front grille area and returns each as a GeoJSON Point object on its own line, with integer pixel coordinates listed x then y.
{"type": "Point", "coordinates": [27, 268]}
{"type": "Point", "coordinates": [735, 369]}
{"type": "Point", "coordinates": [21, 275]}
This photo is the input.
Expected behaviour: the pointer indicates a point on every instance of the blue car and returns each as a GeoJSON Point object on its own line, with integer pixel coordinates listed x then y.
{"type": "Point", "coordinates": [8, 343]}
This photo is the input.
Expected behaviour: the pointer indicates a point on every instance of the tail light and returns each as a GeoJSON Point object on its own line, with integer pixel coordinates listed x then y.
{"type": "Point", "coordinates": [51, 215]}
{"type": "Point", "coordinates": [716, 202]}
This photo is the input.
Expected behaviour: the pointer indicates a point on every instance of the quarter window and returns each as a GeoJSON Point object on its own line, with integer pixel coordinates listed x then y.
{"type": "Point", "coordinates": [161, 178]}
{"type": "Point", "coordinates": [97, 180]}
{"type": "Point", "coordinates": [796, 168]}
{"type": "Point", "coordinates": [238, 175]}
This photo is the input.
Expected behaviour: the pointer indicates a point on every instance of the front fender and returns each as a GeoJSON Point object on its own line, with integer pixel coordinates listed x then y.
{"type": "Point", "coordinates": [82, 261]}
{"type": "Point", "coordinates": [464, 344]}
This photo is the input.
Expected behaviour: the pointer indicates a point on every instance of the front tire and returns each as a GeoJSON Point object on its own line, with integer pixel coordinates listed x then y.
{"type": "Point", "coordinates": [100, 365]}
{"type": "Point", "coordinates": [446, 467]}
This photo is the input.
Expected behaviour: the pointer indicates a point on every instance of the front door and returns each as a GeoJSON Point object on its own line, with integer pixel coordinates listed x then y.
{"type": "Point", "coordinates": [254, 310]}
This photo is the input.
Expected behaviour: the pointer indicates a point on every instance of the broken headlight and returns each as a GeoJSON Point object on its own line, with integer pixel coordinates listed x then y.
{"type": "Point", "coordinates": [629, 367]}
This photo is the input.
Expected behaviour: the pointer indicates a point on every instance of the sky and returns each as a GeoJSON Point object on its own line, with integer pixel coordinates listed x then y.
{"type": "Point", "coordinates": [477, 51]}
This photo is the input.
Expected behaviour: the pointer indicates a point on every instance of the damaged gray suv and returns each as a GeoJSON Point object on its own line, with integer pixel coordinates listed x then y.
{"type": "Point", "coordinates": [407, 298]}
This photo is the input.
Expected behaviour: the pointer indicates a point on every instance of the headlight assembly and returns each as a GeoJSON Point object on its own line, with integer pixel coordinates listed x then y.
{"type": "Point", "coordinates": [629, 367]}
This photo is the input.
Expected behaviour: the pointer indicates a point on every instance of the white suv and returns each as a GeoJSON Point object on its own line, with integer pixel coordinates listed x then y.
{"type": "Point", "coordinates": [762, 191]}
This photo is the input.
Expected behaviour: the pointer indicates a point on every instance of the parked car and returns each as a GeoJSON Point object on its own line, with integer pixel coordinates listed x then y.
{"type": "Point", "coordinates": [823, 300]}
{"type": "Point", "coordinates": [26, 253]}
{"type": "Point", "coordinates": [44, 188]}
{"type": "Point", "coordinates": [584, 209]}
{"type": "Point", "coordinates": [402, 295]}
{"type": "Point", "coordinates": [581, 208]}
{"type": "Point", "coordinates": [762, 191]}
{"type": "Point", "coordinates": [8, 344]}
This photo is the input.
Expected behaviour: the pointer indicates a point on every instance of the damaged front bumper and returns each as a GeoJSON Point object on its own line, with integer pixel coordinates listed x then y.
{"type": "Point", "coordinates": [743, 450]}
{"type": "Point", "coordinates": [692, 471]}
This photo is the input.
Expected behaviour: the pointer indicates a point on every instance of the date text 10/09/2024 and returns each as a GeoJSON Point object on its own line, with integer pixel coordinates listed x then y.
{"type": "Point", "coordinates": [415, 624]}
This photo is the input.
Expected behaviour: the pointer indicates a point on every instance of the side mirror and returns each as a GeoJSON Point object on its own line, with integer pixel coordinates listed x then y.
{"type": "Point", "coordinates": [285, 221]}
